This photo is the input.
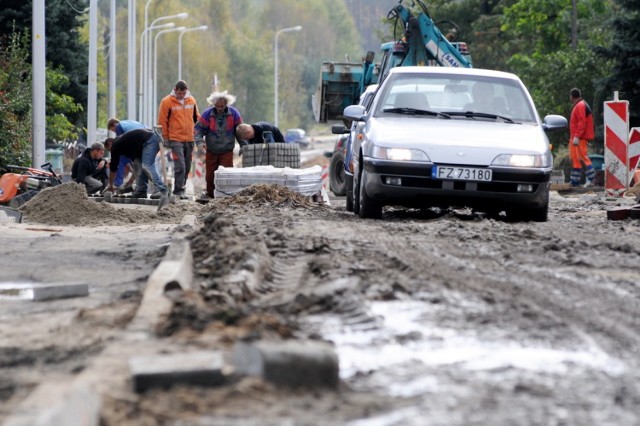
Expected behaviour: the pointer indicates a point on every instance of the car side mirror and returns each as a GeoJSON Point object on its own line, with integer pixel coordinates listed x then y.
{"type": "Point", "coordinates": [355, 112]}
{"type": "Point", "coordinates": [338, 129]}
{"type": "Point", "coordinates": [552, 123]}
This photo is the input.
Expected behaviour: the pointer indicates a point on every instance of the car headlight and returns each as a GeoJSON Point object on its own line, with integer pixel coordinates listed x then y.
{"type": "Point", "coordinates": [399, 154]}
{"type": "Point", "coordinates": [521, 160]}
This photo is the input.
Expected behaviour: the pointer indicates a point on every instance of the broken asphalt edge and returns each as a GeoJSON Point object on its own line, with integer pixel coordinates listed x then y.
{"type": "Point", "coordinates": [80, 401]}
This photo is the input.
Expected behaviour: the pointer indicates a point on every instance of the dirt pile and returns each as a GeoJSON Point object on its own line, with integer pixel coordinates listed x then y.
{"type": "Point", "coordinates": [274, 195]}
{"type": "Point", "coordinates": [68, 204]}
{"type": "Point", "coordinates": [236, 263]}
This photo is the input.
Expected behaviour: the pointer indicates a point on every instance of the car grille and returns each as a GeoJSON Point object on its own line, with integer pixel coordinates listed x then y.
{"type": "Point", "coordinates": [506, 187]}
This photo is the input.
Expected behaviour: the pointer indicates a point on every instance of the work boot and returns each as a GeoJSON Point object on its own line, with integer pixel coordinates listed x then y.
{"type": "Point", "coordinates": [139, 195]}
{"type": "Point", "coordinates": [181, 195]}
{"type": "Point", "coordinates": [156, 195]}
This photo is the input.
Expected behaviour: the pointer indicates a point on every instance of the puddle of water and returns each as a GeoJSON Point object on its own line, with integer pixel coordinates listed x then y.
{"type": "Point", "coordinates": [370, 350]}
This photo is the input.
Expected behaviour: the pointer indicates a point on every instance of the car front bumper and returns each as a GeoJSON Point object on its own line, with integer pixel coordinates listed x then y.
{"type": "Point", "coordinates": [416, 187]}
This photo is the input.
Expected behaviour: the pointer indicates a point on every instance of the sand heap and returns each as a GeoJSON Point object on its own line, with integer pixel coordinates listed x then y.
{"type": "Point", "coordinates": [68, 204]}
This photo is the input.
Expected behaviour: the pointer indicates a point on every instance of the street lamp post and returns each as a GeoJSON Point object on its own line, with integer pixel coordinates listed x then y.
{"type": "Point", "coordinates": [132, 36]}
{"type": "Point", "coordinates": [154, 82]}
{"type": "Point", "coordinates": [147, 48]}
{"type": "Point", "coordinates": [275, 76]}
{"type": "Point", "coordinates": [200, 28]}
{"type": "Point", "coordinates": [144, 72]}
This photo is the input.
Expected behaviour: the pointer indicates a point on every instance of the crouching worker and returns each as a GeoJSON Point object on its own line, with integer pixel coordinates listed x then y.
{"type": "Point", "coordinates": [260, 132]}
{"type": "Point", "coordinates": [90, 169]}
{"type": "Point", "coordinates": [141, 146]}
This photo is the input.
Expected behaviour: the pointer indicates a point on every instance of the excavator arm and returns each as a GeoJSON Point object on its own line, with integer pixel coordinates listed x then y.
{"type": "Point", "coordinates": [422, 44]}
{"type": "Point", "coordinates": [424, 41]}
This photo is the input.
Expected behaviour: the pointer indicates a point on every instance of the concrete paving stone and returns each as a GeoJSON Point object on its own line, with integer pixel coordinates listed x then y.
{"type": "Point", "coordinates": [9, 215]}
{"type": "Point", "coordinates": [58, 404]}
{"type": "Point", "coordinates": [42, 292]}
{"type": "Point", "coordinates": [164, 371]}
{"type": "Point", "coordinates": [289, 363]}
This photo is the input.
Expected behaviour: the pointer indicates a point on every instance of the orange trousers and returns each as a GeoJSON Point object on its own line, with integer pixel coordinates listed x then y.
{"type": "Point", "coordinates": [579, 154]}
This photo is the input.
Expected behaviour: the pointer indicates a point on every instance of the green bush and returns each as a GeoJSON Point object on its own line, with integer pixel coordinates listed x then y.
{"type": "Point", "coordinates": [15, 102]}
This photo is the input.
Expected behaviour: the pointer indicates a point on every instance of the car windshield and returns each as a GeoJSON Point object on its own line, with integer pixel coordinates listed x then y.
{"type": "Point", "coordinates": [456, 96]}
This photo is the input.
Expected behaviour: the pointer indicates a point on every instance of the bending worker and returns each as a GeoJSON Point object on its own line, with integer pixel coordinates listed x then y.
{"type": "Point", "coordinates": [119, 127]}
{"type": "Point", "coordinates": [141, 146]}
{"type": "Point", "coordinates": [259, 132]}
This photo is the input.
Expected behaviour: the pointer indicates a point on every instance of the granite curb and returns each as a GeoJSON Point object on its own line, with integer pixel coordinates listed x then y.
{"type": "Point", "coordinates": [79, 402]}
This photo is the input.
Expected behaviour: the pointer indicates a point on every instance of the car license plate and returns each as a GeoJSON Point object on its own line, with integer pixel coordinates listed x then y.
{"type": "Point", "coordinates": [461, 173]}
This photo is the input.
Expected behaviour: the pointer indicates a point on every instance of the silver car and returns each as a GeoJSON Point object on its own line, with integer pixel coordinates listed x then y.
{"type": "Point", "coordinates": [449, 137]}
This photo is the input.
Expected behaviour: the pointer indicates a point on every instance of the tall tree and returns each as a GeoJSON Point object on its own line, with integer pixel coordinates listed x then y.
{"type": "Point", "coordinates": [15, 102]}
{"type": "Point", "coordinates": [624, 51]}
{"type": "Point", "coordinates": [64, 48]}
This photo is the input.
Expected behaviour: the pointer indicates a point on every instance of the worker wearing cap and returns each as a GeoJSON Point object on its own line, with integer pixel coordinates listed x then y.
{"type": "Point", "coordinates": [216, 135]}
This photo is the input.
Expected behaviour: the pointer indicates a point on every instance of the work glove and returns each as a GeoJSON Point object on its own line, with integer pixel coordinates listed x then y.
{"type": "Point", "coordinates": [576, 141]}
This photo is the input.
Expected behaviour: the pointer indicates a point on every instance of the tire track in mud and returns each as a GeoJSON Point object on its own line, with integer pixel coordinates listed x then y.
{"type": "Point", "coordinates": [279, 271]}
{"type": "Point", "coordinates": [513, 293]}
{"type": "Point", "coordinates": [536, 279]}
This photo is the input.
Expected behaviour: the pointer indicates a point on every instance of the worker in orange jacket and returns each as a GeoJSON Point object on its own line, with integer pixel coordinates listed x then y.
{"type": "Point", "coordinates": [582, 131]}
{"type": "Point", "coordinates": [178, 114]}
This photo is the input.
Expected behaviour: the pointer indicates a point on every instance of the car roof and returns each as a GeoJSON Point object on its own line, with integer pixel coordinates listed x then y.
{"type": "Point", "coordinates": [451, 70]}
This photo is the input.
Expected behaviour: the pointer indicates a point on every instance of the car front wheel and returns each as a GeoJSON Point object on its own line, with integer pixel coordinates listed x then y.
{"type": "Point", "coordinates": [369, 208]}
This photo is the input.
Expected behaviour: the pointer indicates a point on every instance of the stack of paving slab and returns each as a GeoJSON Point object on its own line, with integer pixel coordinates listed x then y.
{"type": "Point", "coordinates": [231, 180]}
{"type": "Point", "coordinates": [271, 154]}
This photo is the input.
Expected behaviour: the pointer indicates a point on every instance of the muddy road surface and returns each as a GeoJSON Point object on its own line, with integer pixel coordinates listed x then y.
{"type": "Point", "coordinates": [437, 317]}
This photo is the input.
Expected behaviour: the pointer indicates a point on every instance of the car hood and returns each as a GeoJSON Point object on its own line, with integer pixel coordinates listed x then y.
{"type": "Point", "coordinates": [458, 141]}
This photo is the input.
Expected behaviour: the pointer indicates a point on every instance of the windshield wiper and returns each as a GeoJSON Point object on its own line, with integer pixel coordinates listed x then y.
{"type": "Point", "coordinates": [474, 114]}
{"type": "Point", "coordinates": [416, 111]}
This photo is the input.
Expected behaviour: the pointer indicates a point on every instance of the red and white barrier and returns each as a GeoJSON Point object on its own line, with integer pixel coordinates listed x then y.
{"type": "Point", "coordinates": [199, 184]}
{"type": "Point", "coordinates": [325, 177]}
{"type": "Point", "coordinates": [633, 152]}
{"type": "Point", "coordinates": [616, 134]}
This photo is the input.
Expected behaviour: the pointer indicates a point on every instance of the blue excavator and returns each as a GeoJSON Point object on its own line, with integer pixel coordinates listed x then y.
{"type": "Point", "coordinates": [421, 44]}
